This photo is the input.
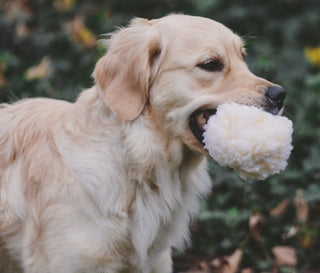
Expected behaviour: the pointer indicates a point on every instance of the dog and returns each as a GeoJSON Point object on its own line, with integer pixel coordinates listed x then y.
{"type": "Point", "coordinates": [110, 183]}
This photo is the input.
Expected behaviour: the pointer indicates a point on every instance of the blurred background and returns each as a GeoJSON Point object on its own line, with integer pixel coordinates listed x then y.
{"type": "Point", "coordinates": [48, 48]}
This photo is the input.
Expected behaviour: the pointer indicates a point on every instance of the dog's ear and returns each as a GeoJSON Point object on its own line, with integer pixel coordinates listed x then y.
{"type": "Point", "coordinates": [123, 74]}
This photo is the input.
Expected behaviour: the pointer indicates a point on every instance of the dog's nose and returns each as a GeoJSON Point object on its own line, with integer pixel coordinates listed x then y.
{"type": "Point", "coordinates": [275, 96]}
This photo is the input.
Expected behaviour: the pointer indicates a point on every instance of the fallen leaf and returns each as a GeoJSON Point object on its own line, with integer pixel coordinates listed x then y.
{"type": "Point", "coordinates": [205, 266]}
{"type": "Point", "coordinates": [306, 241]}
{"type": "Point", "coordinates": [39, 71]}
{"type": "Point", "coordinates": [80, 33]}
{"type": "Point", "coordinates": [22, 30]}
{"type": "Point", "coordinates": [228, 264]}
{"type": "Point", "coordinates": [16, 10]}
{"type": "Point", "coordinates": [217, 263]}
{"type": "Point", "coordinates": [64, 5]}
{"type": "Point", "coordinates": [313, 55]}
{"type": "Point", "coordinates": [285, 255]}
{"type": "Point", "coordinates": [280, 209]}
{"type": "Point", "coordinates": [247, 270]}
{"type": "Point", "coordinates": [255, 225]}
{"type": "Point", "coordinates": [293, 231]}
{"type": "Point", "coordinates": [302, 207]}
{"type": "Point", "coordinates": [195, 271]}
{"type": "Point", "coordinates": [234, 261]}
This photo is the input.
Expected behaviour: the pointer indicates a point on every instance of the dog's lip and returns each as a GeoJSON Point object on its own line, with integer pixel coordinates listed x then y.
{"type": "Point", "coordinates": [273, 110]}
{"type": "Point", "coordinates": [198, 120]}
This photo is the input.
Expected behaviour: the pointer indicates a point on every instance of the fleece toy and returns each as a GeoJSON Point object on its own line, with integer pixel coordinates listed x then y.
{"type": "Point", "coordinates": [255, 143]}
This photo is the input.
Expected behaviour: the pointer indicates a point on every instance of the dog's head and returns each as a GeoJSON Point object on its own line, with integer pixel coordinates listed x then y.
{"type": "Point", "coordinates": [177, 70]}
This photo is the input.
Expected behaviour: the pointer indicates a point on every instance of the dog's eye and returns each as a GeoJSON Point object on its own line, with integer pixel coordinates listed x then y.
{"type": "Point", "coordinates": [214, 65]}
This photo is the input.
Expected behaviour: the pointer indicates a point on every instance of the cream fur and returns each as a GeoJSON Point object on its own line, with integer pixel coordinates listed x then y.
{"type": "Point", "coordinates": [254, 142]}
{"type": "Point", "coordinates": [110, 183]}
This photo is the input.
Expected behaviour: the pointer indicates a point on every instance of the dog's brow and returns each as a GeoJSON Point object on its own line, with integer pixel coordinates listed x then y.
{"type": "Point", "coordinates": [178, 67]}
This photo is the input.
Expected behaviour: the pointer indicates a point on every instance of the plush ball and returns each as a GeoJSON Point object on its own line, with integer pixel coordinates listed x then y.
{"type": "Point", "coordinates": [254, 142]}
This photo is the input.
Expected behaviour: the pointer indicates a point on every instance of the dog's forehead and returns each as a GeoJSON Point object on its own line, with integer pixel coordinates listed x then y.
{"type": "Point", "coordinates": [191, 32]}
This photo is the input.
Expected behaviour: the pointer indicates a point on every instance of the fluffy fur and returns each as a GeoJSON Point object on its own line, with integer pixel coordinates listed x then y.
{"type": "Point", "coordinates": [110, 183]}
{"type": "Point", "coordinates": [255, 143]}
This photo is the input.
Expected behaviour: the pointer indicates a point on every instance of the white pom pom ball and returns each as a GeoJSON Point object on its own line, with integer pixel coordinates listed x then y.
{"type": "Point", "coordinates": [255, 143]}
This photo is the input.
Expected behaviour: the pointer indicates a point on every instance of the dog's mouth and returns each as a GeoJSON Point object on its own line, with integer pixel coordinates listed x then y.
{"type": "Point", "coordinates": [200, 117]}
{"type": "Point", "coordinates": [198, 120]}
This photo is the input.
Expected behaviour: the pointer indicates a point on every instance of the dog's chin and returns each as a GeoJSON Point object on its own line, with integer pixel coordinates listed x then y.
{"type": "Point", "coordinates": [197, 122]}
{"type": "Point", "coordinates": [273, 110]}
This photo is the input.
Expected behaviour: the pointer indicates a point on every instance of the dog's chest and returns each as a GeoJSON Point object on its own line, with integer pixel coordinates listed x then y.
{"type": "Point", "coordinates": [161, 213]}
{"type": "Point", "coordinates": [157, 220]}
{"type": "Point", "coordinates": [152, 208]}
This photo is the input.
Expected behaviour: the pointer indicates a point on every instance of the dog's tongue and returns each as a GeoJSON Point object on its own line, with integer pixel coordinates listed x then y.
{"type": "Point", "coordinates": [203, 117]}
{"type": "Point", "coordinates": [198, 121]}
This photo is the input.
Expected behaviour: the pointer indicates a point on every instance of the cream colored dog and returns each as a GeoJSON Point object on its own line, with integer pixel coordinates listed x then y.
{"type": "Point", "coordinates": [110, 183]}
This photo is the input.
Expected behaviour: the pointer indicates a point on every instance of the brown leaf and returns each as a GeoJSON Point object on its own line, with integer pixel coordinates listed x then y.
{"type": "Point", "coordinates": [234, 261]}
{"type": "Point", "coordinates": [285, 255]}
{"type": "Point", "coordinates": [228, 264]}
{"type": "Point", "coordinates": [80, 33]}
{"type": "Point", "coordinates": [280, 209]}
{"type": "Point", "coordinates": [218, 263]}
{"type": "Point", "coordinates": [16, 9]}
{"type": "Point", "coordinates": [63, 5]}
{"type": "Point", "coordinates": [302, 207]}
{"type": "Point", "coordinates": [247, 270]}
{"type": "Point", "coordinates": [22, 30]}
{"type": "Point", "coordinates": [39, 71]}
{"type": "Point", "coordinates": [195, 271]}
{"type": "Point", "coordinates": [205, 266]}
{"type": "Point", "coordinates": [255, 224]}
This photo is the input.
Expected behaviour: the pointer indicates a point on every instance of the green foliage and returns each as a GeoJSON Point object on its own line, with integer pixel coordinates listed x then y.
{"type": "Point", "coordinates": [277, 33]}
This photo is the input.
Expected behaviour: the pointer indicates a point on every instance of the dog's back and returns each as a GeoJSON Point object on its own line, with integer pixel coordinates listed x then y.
{"type": "Point", "coordinates": [25, 123]}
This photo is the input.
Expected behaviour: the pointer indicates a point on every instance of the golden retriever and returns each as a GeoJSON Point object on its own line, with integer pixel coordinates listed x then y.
{"type": "Point", "coordinates": [110, 183]}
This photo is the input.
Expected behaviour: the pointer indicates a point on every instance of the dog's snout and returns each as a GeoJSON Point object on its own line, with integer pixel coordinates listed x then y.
{"type": "Point", "coordinates": [275, 96]}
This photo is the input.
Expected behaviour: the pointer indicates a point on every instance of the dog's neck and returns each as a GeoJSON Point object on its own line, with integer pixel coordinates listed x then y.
{"type": "Point", "coordinates": [141, 141]}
